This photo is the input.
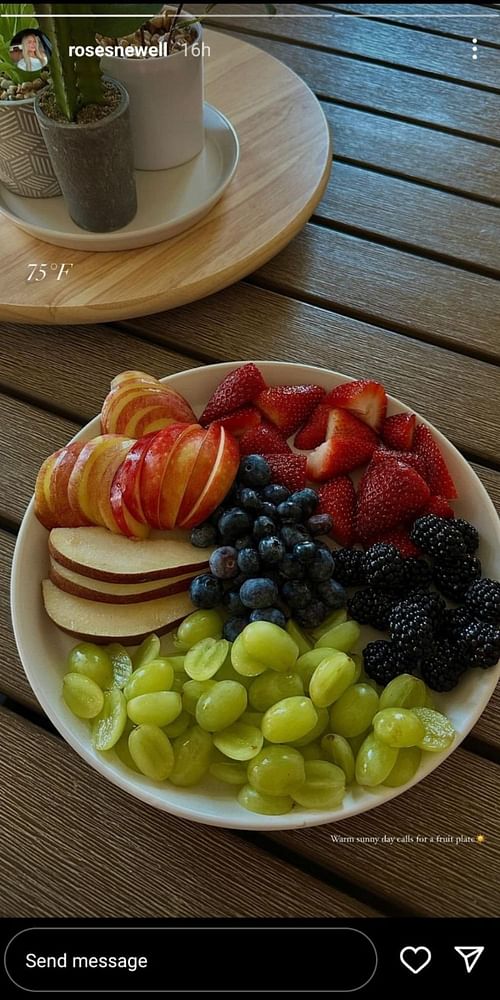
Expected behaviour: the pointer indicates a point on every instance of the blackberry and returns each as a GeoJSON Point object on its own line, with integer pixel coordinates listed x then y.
{"type": "Point", "coordinates": [384, 566]}
{"type": "Point", "coordinates": [453, 621]}
{"type": "Point", "coordinates": [349, 567]}
{"type": "Point", "coordinates": [482, 644]}
{"type": "Point", "coordinates": [454, 576]}
{"type": "Point", "coordinates": [442, 670]}
{"type": "Point", "coordinates": [469, 534]}
{"type": "Point", "coordinates": [381, 662]}
{"type": "Point", "coordinates": [411, 632]}
{"type": "Point", "coordinates": [431, 603]}
{"type": "Point", "coordinates": [437, 536]}
{"type": "Point", "coordinates": [371, 607]}
{"type": "Point", "coordinates": [416, 574]}
{"type": "Point", "coordinates": [483, 599]}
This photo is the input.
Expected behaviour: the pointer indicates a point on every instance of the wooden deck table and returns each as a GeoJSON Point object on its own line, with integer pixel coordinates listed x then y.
{"type": "Point", "coordinates": [395, 277]}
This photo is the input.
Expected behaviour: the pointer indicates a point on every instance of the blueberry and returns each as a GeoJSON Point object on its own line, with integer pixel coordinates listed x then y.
{"type": "Point", "coordinates": [233, 523]}
{"type": "Point", "coordinates": [305, 552]}
{"type": "Point", "coordinates": [254, 471]}
{"type": "Point", "coordinates": [233, 627]}
{"type": "Point", "coordinates": [245, 542]}
{"type": "Point", "coordinates": [320, 524]}
{"type": "Point", "coordinates": [222, 562]}
{"type": "Point", "coordinates": [273, 615]}
{"type": "Point", "coordinates": [269, 510]}
{"type": "Point", "coordinates": [250, 499]}
{"type": "Point", "coordinates": [321, 568]}
{"type": "Point", "coordinates": [259, 593]}
{"type": "Point", "coordinates": [275, 493]}
{"type": "Point", "coordinates": [289, 511]}
{"type": "Point", "coordinates": [216, 514]}
{"type": "Point", "coordinates": [307, 500]}
{"type": "Point", "coordinates": [292, 536]}
{"type": "Point", "coordinates": [248, 562]}
{"type": "Point", "coordinates": [238, 581]}
{"type": "Point", "coordinates": [312, 616]}
{"type": "Point", "coordinates": [290, 567]}
{"type": "Point", "coordinates": [296, 593]}
{"type": "Point", "coordinates": [263, 526]}
{"type": "Point", "coordinates": [205, 591]}
{"type": "Point", "coordinates": [271, 549]}
{"type": "Point", "coordinates": [332, 594]}
{"type": "Point", "coordinates": [203, 535]}
{"type": "Point", "coordinates": [232, 602]}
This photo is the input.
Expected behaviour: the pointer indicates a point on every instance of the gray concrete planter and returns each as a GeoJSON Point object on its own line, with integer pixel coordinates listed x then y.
{"type": "Point", "coordinates": [25, 165]}
{"type": "Point", "coordinates": [93, 163]}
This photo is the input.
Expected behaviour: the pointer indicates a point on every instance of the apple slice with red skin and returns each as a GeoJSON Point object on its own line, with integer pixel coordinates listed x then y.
{"type": "Point", "coordinates": [132, 377]}
{"type": "Point", "coordinates": [63, 467]}
{"type": "Point", "coordinates": [177, 472]}
{"type": "Point", "coordinates": [201, 471]}
{"type": "Point", "coordinates": [79, 495]}
{"type": "Point", "coordinates": [112, 459]}
{"type": "Point", "coordinates": [153, 470]}
{"type": "Point", "coordinates": [43, 507]}
{"type": "Point", "coordinates": [131, 476]}
{"type": "Point", "coordinates": [128, 406]}
{"type": "Point", "coordinates": [219, 482]}
{"type": "Point", "coordinates": [127, 524]}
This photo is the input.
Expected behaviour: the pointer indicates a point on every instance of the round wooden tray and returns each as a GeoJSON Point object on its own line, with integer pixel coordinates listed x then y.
{"type": "Point", "coordinates": [284, 166]}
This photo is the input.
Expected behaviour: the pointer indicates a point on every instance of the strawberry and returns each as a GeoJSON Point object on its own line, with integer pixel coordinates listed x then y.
{"type": "Point", "coordinates": [389, 494]}
{"type": "Point", "coordinates": [240, 386]}
{"type": "Point", "coordinates": [349, 443]}
{"type": "Point", "coordinates": [313, 432]}
{"type": "Point", "coordinates": [242, 420]}
{"type": "Point", "coordinates": [400, 538]}
{"type": "Point", "coordinates": [289, 470]}
{"type": "Point", "coordinates": [437, 475]}
{"type": "Point", "coordinates": [365, 398]}
{"type": "Point", "coordinates": [440, 506]}
{"type": "Point", "coordinates": [382, 454]}
{"type": "Point", "coordinates": [264, 440]}
{"type": "Point", "coordinates": [338, 499]}
{"type": "Point", "coordinates": [287, 406]}
{"type": "Point", "coordinates": [398, 431]}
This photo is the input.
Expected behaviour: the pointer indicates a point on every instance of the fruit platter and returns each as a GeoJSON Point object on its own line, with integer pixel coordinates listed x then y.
{"type": "Point", "coordinates": [259, 594]}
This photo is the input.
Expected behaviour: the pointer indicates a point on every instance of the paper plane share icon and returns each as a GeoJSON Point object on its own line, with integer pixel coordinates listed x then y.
{"type": "Point", "coordinates": [470, 954]}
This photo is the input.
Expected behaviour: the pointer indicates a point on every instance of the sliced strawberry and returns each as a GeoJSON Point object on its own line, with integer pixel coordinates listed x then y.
{"type": "Point", "coordinates": [438, 477]}
{"type": "Point", "coordinates": [365, 398]}
{"type": "Point", "coordinates": [240, 386]}
{"type": "Point", "coordinates": [264, 440]}
{"type": "Point", "coordinates": [338, 499]}
{"type": "Point", "coordinates": [400, 538]}
{"type": "Point", "coordinates": [313, 432]}
{"type": "Point", "coordinates": [288, 406]}
{"type": "Point", "coordinates": [389, 494]}
{"type": "Point", "coordinates": [289, 470]}
{"type": "Point", "coordinates": [439, 506]}
{"type": "Point", "coordinates": [349, 443]}
{"type": "Point", "coordinates": [383, 454]}
{"type": "Point", "coordinates": [241, 421]}
{"type": "Point", "coordinates": [398, 431]}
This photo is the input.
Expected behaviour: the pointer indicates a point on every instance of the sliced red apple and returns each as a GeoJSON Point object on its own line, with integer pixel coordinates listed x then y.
{"type": "Point", "coordinates": [132, 376]}
{"type": "Point", "coordinates": [79, 495]}
{"type": "Point", "coordinates": [101, 555]}
{"type": "Point", "coordinates": [128, 525]}
{"type": "Point", "coordinates": [116, 593]}
{"type": "Point", "coordinates": [112, 461]}
{"type": "Point", "coordinates": [127, 407]}
{"type": "Point", "coordinates": [153, 470]}
{"type": "Point", "coordinates": [219, 482]}
{"type": "Point", "coordinates": [43, 508]}
{"type": "Point", "coordinates": [177, 472]}
{"type": "Point", "coordinates": [201, 471]}
{"type": "Point", "coordinates": [131, 476]}
{"type": "Point", "coordinates": [58, 485]}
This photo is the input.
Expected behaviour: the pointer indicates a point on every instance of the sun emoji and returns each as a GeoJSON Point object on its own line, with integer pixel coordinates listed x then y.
{"type": "Point", "coordinates": [481, 839]}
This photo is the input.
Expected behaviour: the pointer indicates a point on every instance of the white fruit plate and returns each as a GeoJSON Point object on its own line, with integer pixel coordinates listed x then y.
{"type": "Point", "coordinates": [43, 648]}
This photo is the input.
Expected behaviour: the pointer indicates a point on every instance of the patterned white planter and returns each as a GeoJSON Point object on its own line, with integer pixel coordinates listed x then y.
{"type": "Point", "coordinates": [25, 166]}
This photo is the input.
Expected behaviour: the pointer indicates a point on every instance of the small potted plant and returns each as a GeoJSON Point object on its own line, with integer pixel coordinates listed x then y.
{"type": "Point", "coordinates": [25, 166]}
{"type": "Point", "coordinates": [84, 119]}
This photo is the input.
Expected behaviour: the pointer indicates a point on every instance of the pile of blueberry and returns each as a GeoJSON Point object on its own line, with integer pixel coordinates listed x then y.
{"type": "Point", "coordinates": [269, 563]}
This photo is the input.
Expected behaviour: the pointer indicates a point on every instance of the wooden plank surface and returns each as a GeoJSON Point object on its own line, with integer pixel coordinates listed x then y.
{"type": "Point", "coordinates": [13, 681]}
{"type": "Point", "coordinates": [462, 20]}
{"type": "Point", "coordinates": [79, 847]}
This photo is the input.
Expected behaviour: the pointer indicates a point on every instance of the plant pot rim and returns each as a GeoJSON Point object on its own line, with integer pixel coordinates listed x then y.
{"type": "Point", "coordinates": [88, 126]}
{"type": "Point", "coordinates": [25, 100]}
{"type": "Point", "coordinates": [160, 59]}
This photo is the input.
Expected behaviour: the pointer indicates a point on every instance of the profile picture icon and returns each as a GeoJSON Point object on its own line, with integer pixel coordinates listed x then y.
{"type": "Point", "coordinates": [30, 50]}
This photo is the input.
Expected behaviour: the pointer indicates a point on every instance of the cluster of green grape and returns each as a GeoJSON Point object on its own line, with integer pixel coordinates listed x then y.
{"type": "Point", "coordinates": [286, 717]}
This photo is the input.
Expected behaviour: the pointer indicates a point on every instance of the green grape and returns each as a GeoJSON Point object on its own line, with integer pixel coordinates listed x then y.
{"type": "Point", "coordinates": [323, 788]}
{"type": "Point", "coordinates": [266, 805]}
{"type": "Point", "coordinates": [205, 658]}
{"type": "Point", "coordinates": [289, 719]}
{"type": "Point", "coordinates": [93, 661]}
{"type": "Point", "coordinates": [205, 624]}
{"type": "Point", "coordinates": [158, 675]}
{"type": "Point", "coordinates": [357, 659]}
{"type": "Point", "coordinates": [342, 637]}
{"type": "Point", "coordinates": [228, 673]}
{"type": "Point", "coordinates": [158, 708]}
{"type": "Point", "coordinates": [316, 731]}
{"type": "Point", "coordinates": [276, 770]}
{"type": "Point", "coordinates": [406, 766]}
{"type": "Point", "coordinates": [221, 706]}
{"type": "Point", "coordinates": [192, 691]}
{"type": "Point", "coordinates": [299, 637]}
{"type": "Point", "coordinates": [82, 695]}
{"type": "Point", "coordinates": [438, 730]}
{"type": "Point", "coordinates": [239, 741]}
{"type": "Point", "coordinates": [179, 725]}
{"type": "Point", "coordinates": [404, 691]}
{"type": "Point", "coordinates": [365, 679]}
{"type": "Point", "coordinates": [355, 742]}
{"type": "Point", "coordinates": [306, 665]}
{"type": "Point", "coordinates": [121, 748]}
{"type": "Point", "coordinates": [179, 682]}
{"type": "Point", "coordinates": [271, 686]}
{"type": "Point", "coordinates": [121, 664]}
{"type": "Point", "coordinates": [331, 620]}
{"type": "Point", "coordinates": [353, 712]}
{"type": "Point", "coordinates": [108, 726]}
{"type": "Point", "coordinates": [147, 651]}
{"type": "Point", "coordinates": [229, 771]}
{"type": "Point", "coordinates": [313, 751]}
{"type": "Point", "coordinates": [252, 718]}
{"type": "Point", "coordinates": [339, 751]}
{"type": "Point", "coordinates": [375, 760]}
{"type": "Point", "coordinates": [242, 662]}
{"type": "Point", "coordinates": [151, 751]}
{"type": "Point", "coordinates": [270, 645]}
{"type": "Point", "coordinates": [398, 727]}
{"type": "Point", "coordinates": [331, 678]}
{"type": "Point", "coordinates": [192, 753]}
{"type": "Point", "coordinates": [177, 663]}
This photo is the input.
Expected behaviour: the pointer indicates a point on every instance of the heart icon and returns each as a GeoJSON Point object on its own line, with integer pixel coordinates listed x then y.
{"type": "Point", "coordinates": [415, 959]}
